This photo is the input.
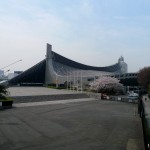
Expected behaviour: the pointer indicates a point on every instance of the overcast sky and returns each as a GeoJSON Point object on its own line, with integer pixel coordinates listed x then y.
{"type": "Point", "coordinates": [93, 32]}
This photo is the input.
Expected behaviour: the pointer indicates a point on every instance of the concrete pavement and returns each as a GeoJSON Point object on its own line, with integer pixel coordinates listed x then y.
{"type": "Point", "coordinates": [34, 91]}
{"type": "Point", "coordinates": [97, 125]}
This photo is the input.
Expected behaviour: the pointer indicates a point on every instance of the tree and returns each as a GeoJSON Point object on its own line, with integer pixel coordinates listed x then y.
{"type": "Point", "coordinates": [149, 91]}
{"type": "Point", "coordinates": [3, 92]}
{"type": "Point", "coordinates": [107, 85]}
{"type": "Point", "coordinates": [144, 77]}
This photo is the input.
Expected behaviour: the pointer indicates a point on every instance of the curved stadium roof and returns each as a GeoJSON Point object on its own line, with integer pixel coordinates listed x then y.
{"type": "Point", "coordinates": [68, 62]}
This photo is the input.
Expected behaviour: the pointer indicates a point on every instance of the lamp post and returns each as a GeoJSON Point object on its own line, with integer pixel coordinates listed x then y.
{"type": "Point", "coordinates": [73, 81]}
{"type": "Point", "coordinates": [81, 82]}
{"type": "Point", "coordinates": [69, 78]}
{"type": "Point", "coordinates": [56, 81]}
{"type": "Point", "coordinates": [70, 81]}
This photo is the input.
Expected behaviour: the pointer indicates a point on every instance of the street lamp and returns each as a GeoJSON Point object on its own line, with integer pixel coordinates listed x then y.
{"type": "Point", "coordinates": [56, 80]}
{"type": "Point", "coordinates": [69, 73]}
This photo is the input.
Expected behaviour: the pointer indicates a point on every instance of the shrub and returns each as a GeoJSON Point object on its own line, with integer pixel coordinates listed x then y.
{"type": "Point", "coordinates": [3, 92]}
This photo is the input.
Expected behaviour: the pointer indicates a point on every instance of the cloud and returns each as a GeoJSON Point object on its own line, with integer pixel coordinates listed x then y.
{"type": "Point", "coordinates": [76, 29]}
{"type": "Point", "coordinates": [23, 37]}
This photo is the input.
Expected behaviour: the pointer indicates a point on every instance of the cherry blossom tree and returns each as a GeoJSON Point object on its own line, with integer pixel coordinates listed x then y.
{"type": "Point", "coordinates": [107, 85]}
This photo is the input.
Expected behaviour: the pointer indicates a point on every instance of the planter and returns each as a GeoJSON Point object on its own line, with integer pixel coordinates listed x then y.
{"type": "Point", "coordinates": [6, 104]}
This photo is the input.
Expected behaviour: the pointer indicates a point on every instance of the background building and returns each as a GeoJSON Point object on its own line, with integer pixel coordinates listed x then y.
{"type": "Point", "coordinates": [12, 75]}
{"type": "Point", "coordinates": [1, 73]}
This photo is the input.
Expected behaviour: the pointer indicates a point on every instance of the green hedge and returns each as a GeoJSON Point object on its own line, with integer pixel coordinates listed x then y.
{"type": "Point", "coordinates": [6, 103]}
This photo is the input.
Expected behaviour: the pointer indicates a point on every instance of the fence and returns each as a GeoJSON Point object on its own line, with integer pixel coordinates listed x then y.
{"type": "Point", "coordinates": [142, 107]}
{"type": "Point", "coordinates": [113, 98]}
{"type": "Point", "coordinates": [124, 99]}
{"type": "Point", "coordinates": [94, 95]}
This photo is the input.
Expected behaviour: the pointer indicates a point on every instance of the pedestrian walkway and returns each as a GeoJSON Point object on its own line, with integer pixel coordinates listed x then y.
{"type": "Point", "coordinates": [146, 104]}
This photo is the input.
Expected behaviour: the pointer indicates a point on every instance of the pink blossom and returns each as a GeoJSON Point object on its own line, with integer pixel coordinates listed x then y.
{"type": "Point", "coordinates": [105, 83]}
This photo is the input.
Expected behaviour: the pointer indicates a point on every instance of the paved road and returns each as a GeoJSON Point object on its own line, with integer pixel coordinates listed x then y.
{"type": "Point", "coordinates": [92, 125]}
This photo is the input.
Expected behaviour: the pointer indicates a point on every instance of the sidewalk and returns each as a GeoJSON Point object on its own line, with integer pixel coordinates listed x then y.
{"type": "Point", "coordinates": [146, 103]}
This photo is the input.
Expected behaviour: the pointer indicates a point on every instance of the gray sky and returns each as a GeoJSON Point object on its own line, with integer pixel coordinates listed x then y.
{"type": "Point", "coordinates": [93, 32]}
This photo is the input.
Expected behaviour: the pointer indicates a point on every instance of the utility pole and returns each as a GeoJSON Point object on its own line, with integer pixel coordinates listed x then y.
{"type": "Point", "coordinates": [81, 82]}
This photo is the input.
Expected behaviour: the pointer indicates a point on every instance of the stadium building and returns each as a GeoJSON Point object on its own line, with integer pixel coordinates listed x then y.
{"type": "Point", "coordinates": [58, 70]}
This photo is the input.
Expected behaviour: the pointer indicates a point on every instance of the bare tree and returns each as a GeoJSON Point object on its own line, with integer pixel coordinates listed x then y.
{"type": "Point", "coordinates": [144, 77]}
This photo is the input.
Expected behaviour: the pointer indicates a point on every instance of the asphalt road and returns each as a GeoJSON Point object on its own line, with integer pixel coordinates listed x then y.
{"type": "Point", "coordinates": [93, 125]}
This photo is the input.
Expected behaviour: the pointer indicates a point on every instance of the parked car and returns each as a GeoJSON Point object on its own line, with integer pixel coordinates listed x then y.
{"type": "Point", "coordinates": [133, 98]}
{"type": "Point", "coordinates": [104, 96]}
{"type": "Point", "coordinates": [133, 94]}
